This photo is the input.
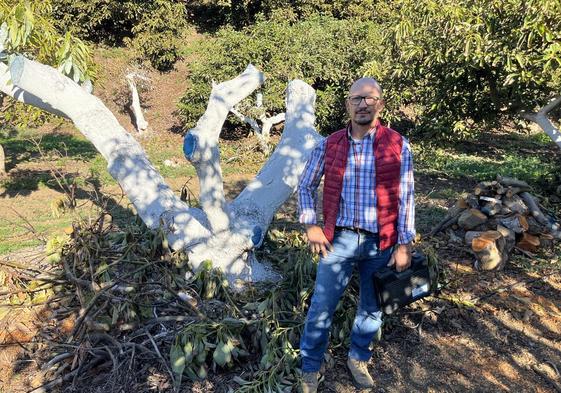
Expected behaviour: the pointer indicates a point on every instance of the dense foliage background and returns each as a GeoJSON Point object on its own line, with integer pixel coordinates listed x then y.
{"type": "Point", "coordinates": [448, 67]}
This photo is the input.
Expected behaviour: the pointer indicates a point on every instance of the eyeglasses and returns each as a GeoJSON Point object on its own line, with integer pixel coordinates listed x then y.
{"type": "Point", "coordinates": [370, 101]}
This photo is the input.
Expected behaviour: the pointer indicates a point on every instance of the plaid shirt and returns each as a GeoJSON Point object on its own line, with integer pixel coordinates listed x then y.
{"type": "Point", "coordinates": [357, 207]}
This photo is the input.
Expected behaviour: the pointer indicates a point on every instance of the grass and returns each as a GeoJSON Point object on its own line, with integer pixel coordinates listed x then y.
{"type": "Point", "coordinates": [15, 235]}
{"type": "Point", "coordinates": [527, 157]}
{"type": "Point", "coordinates": [507, 160]}
{"type": "Point", "coordinates": [68, 151]}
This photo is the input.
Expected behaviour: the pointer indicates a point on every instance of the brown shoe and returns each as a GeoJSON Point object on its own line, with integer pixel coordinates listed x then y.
{"type": "Point", "coordinates": [310, 382]}
{"type": "Point", "coordinates": [359, 371]}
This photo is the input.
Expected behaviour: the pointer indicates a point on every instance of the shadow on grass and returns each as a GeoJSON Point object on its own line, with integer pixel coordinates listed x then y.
{"type": "Point", "coordinates": [19, 149]}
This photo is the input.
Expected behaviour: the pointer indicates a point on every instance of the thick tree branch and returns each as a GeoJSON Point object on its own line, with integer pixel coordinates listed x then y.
{"type": "Point", "coordinates": [264, 131]}
{"type": "Point", "coordinates": [18, 94]}
{"type": "Point", "coordinates": [201, 143]}
{"type": "Point", "coordinates": [278, 178]}
{"type": "Point", "coordinates": [265, 134]}
{"type": "Point", "coordinates": [246, 119]}
{"type": "Point", "coordinates": [540, 118]}
{"type": "Point", "coordinates": [269, 122]}
{"type": "Point", "coordinates": [2, 162]}
{"type": "Point", "coordinates": [127, 161]}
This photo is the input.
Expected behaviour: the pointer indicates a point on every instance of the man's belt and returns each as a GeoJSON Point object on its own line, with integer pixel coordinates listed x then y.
{"type": "Point", "coordinates": [355, 230]}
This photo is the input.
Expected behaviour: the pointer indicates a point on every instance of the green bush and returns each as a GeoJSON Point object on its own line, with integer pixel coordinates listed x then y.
{"type": "Point", "coordinates": [158, 34]}
{"type": "Point", "coordinates": [153, 28]}
{"type": "Point", "coordinates": [31, 30]}
{"type": "Point", "coordinates": [464, 63]}
{"type": "Point", "coordinates": [210, 15]}
{"type": "Point", "coordinates": [103, 21]}
{"type": "Point", "coordinates": [325, 52]}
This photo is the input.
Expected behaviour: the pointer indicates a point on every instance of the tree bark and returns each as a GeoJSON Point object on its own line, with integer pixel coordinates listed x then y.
{"type": "Point", "coordinates": [536, 212]}
{"type": "Point", "coordinates": [18, 94]}
{"type": "Point", "coordinates": [222, 232]}
{"type": "Point", "coordinates": [201, 144]}
{"type": "Point", "coordinates": [279, 177]}
{"type": "Point", "coordinates": [262, 132]}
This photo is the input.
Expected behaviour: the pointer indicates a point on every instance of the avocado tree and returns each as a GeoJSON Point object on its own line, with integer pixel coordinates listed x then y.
{"type": "Point", "coordinates": [221, 231]}
{"type": "Point", "coordinates": [465, 62]}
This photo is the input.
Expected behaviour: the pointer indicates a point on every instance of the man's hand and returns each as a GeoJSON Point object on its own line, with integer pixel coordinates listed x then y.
{"type": "Point", "coordinates": [317, 240]}
{"type": "Point", "coordinates": [401, 257]}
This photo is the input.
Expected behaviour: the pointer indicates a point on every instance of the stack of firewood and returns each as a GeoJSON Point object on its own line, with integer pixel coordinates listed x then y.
{"type": "Point", "coordinates": [497, 217]}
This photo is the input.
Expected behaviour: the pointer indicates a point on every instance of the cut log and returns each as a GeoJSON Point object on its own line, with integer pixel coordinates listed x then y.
{"type": "Point", "coordinates": [515, 204]}
{"type": "Point", "coordinates": [510, 237]}
{"type": "Point", "coordinates": [499, 189]}
{"type": "Point", "coordinates": [451, 216]}
{"type": "Point", "coordinates": [492, 207]}
{"type": "Point", "coordinates": [546, 241]}
{"type": "Point", "coordinates": [471, 218]}
{"type": "Point", "coordinates": [534, 227]}
{"type": "Point", "coordinates": [535, 211]}
{"type": "Point", "coordinates": [472, 201]}
{"type": "Point", "coordinates": [513, 182]}
{"type": "Point", "coordinates": [505, 211]}
{"type": "Point", "coordinates": [484, 188]}
{"type": "Point", "coordinates": [516, 223]}
{"type": "Point", "coordinates": [462, 204]}
{"type": "Point", "coordinates": [470, 235]}
{"type": "Point", "coordinates": [528, 242]}
{"type": "Point", "coordinates": [489, 249]}
{"type": "Point", "coordinates": [512, 191]}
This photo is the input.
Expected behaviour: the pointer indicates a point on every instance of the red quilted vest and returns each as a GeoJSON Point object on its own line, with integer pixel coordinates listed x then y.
{"type": "Point", "coordinates": [387, 154]}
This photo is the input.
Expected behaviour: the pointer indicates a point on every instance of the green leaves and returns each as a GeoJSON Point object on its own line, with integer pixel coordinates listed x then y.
{"type": "Point", "coordinates": [460, 62]}
{"type": "Point", "coordinates": [323, 51]}
{"type": "Point", "coordinates": [29, 28]}
{"type": "Point", "coordinates": [177, 359]}
{"type": "Point", "coordinates": [223, 353]}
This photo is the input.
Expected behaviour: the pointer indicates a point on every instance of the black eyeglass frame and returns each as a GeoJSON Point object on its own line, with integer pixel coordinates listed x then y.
{"type": "Point", "coordinates": [370, 101]}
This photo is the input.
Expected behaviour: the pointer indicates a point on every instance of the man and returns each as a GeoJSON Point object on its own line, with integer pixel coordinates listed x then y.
{"type": "Point", "coordinates": [368, 212]}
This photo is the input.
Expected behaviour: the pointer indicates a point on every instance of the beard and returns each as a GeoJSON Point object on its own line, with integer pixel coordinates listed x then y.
{"type": "Point", "coordinates": [363, 118]}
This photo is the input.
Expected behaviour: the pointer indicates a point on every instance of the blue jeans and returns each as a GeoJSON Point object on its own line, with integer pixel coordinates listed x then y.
{"type": "Point", "coordinates": [333, 275]}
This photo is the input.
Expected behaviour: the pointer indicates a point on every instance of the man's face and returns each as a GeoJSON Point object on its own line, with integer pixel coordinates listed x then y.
{"type": "Point", "coordinates": [364, 102]}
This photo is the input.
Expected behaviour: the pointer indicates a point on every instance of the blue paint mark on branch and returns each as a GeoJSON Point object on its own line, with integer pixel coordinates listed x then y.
{"type": "Point", "coordinates": [257, 235]}
{"type": "Point", "coordinates": [189, 145]}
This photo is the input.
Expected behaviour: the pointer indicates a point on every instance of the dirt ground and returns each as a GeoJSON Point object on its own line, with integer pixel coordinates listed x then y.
{"type": "Point", "coordinates": [484, 332]}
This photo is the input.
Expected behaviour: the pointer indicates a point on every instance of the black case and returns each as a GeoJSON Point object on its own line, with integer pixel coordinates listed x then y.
{"type": "Point", "coordinates": [399, 289]}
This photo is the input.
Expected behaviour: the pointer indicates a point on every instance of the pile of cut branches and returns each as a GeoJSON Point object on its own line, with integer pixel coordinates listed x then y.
{"type": "Point", "coordinates": [124, 310]}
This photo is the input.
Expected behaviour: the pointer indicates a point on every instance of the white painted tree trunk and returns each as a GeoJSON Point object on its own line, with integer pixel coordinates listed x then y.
{"type": "Point", "coordinates": [141, 123]}
{"type": "Point", "coordinates": [263, 133]}
{"type": "Point", "coordinates": [2, 162]}
{"type": "Point", "coordinates": [269, 122]}
{"type": "Point", "coordinates": [220, 231]}
{"type": "Point", "coordinates": [8, 88]}
{"type": "Point", "coordinates": [545, 124]}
